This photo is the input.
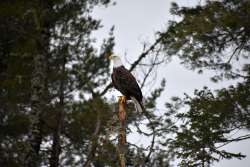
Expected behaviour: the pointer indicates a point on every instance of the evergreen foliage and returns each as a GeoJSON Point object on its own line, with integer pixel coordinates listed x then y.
{"type": "Point", "coordinates": [211, 36]}
{"type": "Point", "coordinates": [53, 112]}
{"type": "Point", "coordinates": [53, 108]}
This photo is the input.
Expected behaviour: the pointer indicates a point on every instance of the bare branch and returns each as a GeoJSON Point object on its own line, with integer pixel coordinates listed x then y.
{"type": "Point", "coordinates": [244, 137]}
{"type": "Point", "coordinates": [134, 65]}
{"type": "Point", "coordinates": [238, 48]}
{"type": "Point", "coordinates": [144, 54]}
{"type": "Point", "coordinates": [153, 64]}
{"type": "Point", "coordinates": [151, 149]}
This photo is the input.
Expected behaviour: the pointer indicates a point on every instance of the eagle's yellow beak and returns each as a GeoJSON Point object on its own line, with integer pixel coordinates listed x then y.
{"type": "Point", "coordinates": [110, 56]}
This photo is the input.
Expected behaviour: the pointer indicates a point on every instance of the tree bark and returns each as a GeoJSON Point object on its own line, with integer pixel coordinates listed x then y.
{"type": "Point", "coordinates": [38, 104]}
{"type": "Point", "coordinates": [122, 131]}
{"type": "Point", "coordinates": [38, 88]}
{"type": "Point", "coordinates": [56, 146]}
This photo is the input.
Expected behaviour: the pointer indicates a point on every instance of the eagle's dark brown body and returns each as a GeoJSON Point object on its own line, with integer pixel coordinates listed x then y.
{"type": "Point", "coordinates": [126, 83]}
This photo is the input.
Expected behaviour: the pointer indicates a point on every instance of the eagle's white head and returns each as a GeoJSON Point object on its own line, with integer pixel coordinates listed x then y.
{"type": "Point", "coordinates": [116, 60]}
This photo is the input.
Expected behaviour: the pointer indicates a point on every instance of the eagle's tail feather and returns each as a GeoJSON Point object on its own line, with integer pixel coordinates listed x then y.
{"type": "Point", "coordinates": [138, 105]}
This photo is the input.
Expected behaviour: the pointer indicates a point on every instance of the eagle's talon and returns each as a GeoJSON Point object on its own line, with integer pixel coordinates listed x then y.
{"type": "Point", "coordinates": [122, 99]}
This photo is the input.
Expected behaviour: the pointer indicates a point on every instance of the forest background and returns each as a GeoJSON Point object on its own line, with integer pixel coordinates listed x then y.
{"type": "Point", "coordinates": [56, 103]}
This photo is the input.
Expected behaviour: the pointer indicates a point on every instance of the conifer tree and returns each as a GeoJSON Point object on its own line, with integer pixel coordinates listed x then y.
{"type": "Point", "coordinates": [211, 36]}
{"type": "Point", "coordinates": [53, 82]}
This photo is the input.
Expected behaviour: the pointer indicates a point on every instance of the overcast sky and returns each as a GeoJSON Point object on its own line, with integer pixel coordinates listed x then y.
{"type": "Point", "coordinates": [136, 21]}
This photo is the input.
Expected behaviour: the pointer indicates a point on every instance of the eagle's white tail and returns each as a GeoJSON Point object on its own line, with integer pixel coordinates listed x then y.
{"type": "Point", "coordinates": [138, 105]}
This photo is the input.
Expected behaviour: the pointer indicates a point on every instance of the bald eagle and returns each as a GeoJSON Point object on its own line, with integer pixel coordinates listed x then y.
{"type": "Point", "coordinates": [126, 83]}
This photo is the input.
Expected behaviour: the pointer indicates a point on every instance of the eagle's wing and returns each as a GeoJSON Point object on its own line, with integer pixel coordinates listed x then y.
{"type": "Point", "coordinates": [114, 82]}
{"type": "Point", "coordinates": [126, 83]}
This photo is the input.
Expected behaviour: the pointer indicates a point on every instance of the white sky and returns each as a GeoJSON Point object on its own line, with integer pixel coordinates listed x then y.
{"type": "Point", "coordinates": [136, 21]}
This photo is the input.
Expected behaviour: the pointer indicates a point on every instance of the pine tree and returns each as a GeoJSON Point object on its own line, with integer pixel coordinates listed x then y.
{"type": "Point", "coordinates": [53, 82]}
{"type": "Point", "coordinates": [211, 36]}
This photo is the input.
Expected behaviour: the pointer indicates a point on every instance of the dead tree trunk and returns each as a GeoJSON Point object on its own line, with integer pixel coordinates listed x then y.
{"type": "Point", "coordinates": [122, 131]}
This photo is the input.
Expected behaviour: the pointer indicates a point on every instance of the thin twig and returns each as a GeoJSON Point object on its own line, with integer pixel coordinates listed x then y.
{"type": "Point", "coordinates": [150, 70]}
{"type": "Point", "coordinates": [244, 137]}
{"type": "Point", "coordinates": [240, 47]}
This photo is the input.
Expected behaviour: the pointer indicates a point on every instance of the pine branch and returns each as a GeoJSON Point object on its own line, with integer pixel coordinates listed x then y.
{"type": "Point", "coordinates": [93, 145]}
